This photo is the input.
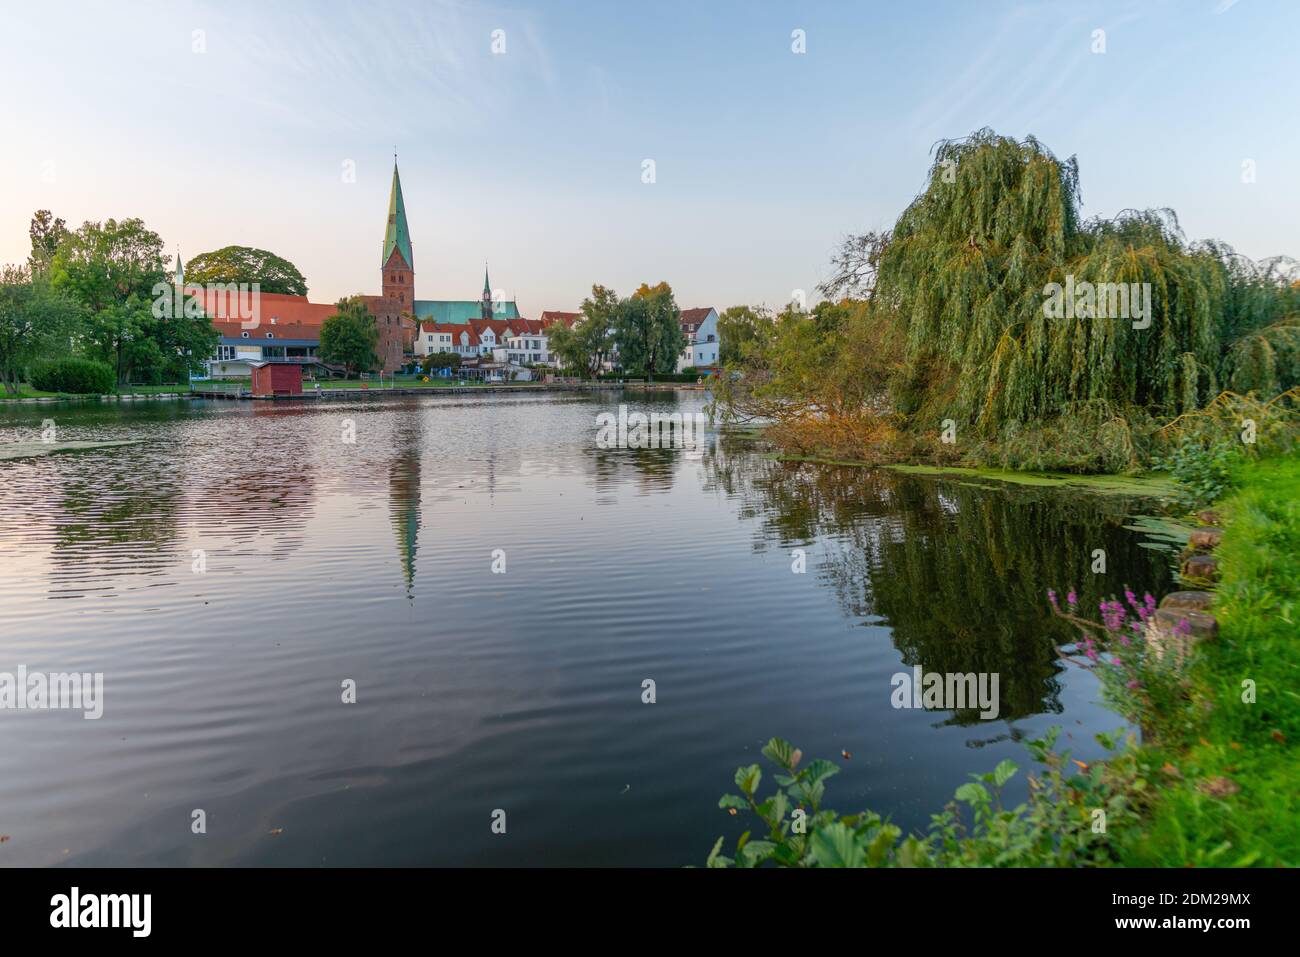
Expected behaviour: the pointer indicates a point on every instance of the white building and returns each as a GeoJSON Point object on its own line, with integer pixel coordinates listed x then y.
{"type": "Point", "coordinates": [700, 327]}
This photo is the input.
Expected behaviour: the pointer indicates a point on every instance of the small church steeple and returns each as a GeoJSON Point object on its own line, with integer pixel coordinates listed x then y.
{"type": "Point", "coordinates": [487, 294]}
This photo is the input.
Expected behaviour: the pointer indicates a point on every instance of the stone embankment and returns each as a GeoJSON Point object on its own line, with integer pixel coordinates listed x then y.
{"type": "Point", "coordinates": [1184, 618]}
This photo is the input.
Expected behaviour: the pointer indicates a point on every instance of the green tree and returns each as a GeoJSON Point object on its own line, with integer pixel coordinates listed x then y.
{"type": "Point", "coordinates": [46, 233]}
{"type": "Point", "coordinates": [349, 336]}
{"type": "Point", "coordinates": [960, 311]}
{"type": "Point", "coordinates": [584, 346]}
{"type": "Point", "coordinates": [739, 328]}
{"type": "Point", "coordinates": [117, 271]}
{"type": "Point", "coordinates": [244, 264]}
{"type": "Point", "coordinates": [647, 330]}
{"type": "Point", "coordinates": [35, 321]}
{"type": "Point", "coordinates": [440, 360]}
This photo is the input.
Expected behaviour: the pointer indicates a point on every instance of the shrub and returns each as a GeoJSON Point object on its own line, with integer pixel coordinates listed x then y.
{"type": "Point", "coordinates": [1203, 472]}
{"type": "Point", "coordinates": [71, 375]}
{"type": "Point", "coordinates": [1053, 828]}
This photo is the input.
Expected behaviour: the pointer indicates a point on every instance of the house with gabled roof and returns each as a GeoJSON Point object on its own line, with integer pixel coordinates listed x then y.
{"type": "Point", "coordinates": [700, 328]}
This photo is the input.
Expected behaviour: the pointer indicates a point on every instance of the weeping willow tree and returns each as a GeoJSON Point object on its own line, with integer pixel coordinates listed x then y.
{"type": "Point", "coordinates": [966, 270]}
{"type": "Point", "coordinates": [1262, 325]}
{"type": "Point", "coordinates": [1051, 341]}
{"type": "Point", "coordinates": [1014, 312]}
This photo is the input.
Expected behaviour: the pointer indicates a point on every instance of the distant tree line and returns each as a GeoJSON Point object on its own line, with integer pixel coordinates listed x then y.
{"type": "Point", "coordinates": [104, 293]}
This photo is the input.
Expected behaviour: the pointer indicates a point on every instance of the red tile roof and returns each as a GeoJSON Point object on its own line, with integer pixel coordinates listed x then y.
{"type": "Point", "coordinates": [454, 329]}
{"type": "Point", "coordinates": [691, 318]}
{"type": "Point", "coordinates": [499, 327]}
{"type": "Point", "coordinates": [280, 330]}
{"type": "Point", "coordinates": [266, 309]}
{"type": "Point", "coordinates": [552, 315]}
{"type": "Point", "coordinates": [527, 327]}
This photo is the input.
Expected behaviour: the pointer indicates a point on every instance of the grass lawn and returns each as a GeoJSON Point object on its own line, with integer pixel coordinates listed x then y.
{"type": "Point", "coordinates": [1229, 792]}
{"type": "Point", "coordinates": [25, 391]}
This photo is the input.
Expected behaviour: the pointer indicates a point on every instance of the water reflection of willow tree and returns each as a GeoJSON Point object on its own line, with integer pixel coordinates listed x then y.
{"type": "Point", "coordinates": [958, 572]}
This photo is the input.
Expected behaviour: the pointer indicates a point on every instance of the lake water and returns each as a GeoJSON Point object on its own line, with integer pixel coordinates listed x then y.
{"type": "Point", "coordinates": [325, 561]}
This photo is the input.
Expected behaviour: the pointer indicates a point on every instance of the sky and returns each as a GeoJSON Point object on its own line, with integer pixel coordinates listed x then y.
{"type": "Point", "coordinates": [274, 125]}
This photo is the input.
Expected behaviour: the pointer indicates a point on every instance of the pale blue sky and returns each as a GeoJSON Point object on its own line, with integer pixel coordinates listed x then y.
{"type": "Point", "coordinates": [532, 159]}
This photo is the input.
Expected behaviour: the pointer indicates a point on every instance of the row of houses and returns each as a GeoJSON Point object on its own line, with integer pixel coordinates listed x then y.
{"type": "Point", "coordinates": [287, 329]}
{"type": "Point", "coordinates": [488, 334]}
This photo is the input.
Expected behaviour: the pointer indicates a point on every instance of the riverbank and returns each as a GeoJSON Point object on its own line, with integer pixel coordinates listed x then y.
{"type": "Point", "coordinates": [1227, 771]}
{"type": "Point", "coordinates": [1214, 782]}
{"type": "Point", "coordinates": [1146, 484]}
{"type": "Point", "coordinates": [350, 389]}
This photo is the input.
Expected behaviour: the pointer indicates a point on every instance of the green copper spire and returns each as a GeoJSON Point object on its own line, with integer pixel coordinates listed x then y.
{"type": "Point", "coordinates": [397, 234]}
{"type": "Point", "coordinates": [487, 286]}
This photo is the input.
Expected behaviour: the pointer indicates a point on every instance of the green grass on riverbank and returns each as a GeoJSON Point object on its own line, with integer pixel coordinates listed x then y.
{"type": "Point", "coordinates": [25, 391]}
{"type": "Point", "coordinates": [1229, 775]}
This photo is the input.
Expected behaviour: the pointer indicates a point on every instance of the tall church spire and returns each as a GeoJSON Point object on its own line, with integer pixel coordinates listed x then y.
{"type": "Point", "coordinates": [397, 235]}
{"type": "Point", "coordinates": [486, 309]}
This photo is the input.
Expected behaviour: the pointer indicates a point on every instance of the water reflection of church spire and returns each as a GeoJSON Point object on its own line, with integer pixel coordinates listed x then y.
{"type": "Point", "coordinates": [404, 503]}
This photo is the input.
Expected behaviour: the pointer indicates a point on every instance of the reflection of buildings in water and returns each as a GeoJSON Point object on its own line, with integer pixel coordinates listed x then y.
{"type": "Point", "coordinates": [219, 482]}
{"type": "Point", "coordinates": [254, 482]}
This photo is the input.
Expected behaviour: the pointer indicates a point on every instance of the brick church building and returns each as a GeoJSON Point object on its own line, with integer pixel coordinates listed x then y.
{"type": "Point", "coordinates": [288, 327]}
{"type": "Point", "coordinates": [398, 303]}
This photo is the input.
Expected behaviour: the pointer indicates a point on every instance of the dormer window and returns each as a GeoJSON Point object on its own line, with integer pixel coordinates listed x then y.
{"type": "Point", "coordinates": [243, 335]}
{"type": "Point", "coordinates": [270, 335]}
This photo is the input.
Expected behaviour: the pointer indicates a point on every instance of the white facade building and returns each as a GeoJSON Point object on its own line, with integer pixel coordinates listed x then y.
{"type": "Point", "coordinates": [700, 327]}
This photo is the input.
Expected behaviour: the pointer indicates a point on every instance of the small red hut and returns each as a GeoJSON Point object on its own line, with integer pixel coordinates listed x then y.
{"type": "Point", "coordinates": [276, 378]}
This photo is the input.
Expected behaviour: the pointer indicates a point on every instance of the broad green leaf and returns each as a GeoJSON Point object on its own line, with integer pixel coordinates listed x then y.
{"type": "Point", "coordinates": [836, 845]}
{"type": "Point", "coordinates": [880, 846]}
{"type": "Point", "coordinates": [747, 778]}
{"type": "Point", "coordinates": [779, 751]}
{"type": "Point", "coordinates": [821, 769]}
{"type": "Point", "coordinates": [755, 853]}
{"type": "Point", "coordinates": [1005, 770]}
{"type": "Point", "coordinates": [973, 793]}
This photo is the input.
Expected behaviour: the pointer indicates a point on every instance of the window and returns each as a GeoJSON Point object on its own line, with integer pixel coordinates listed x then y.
{"type": "Point", "coordinates": [270, 335]}
{"type": "Point", "coordinates": [243, 335]}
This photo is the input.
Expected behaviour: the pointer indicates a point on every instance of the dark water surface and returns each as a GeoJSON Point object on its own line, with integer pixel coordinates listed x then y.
{"type": "Point", "coordinates": [372, 561]}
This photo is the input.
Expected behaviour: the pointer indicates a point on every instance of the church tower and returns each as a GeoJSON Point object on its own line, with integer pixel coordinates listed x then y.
{"type": "Point", "coordinates": [486, 309]}
{"type": "Point", "coordinates": [398, 265]}
{"type": "Point", "coordinates": [392, 310]}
